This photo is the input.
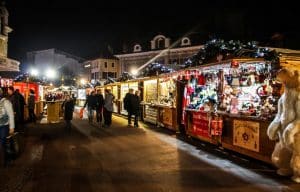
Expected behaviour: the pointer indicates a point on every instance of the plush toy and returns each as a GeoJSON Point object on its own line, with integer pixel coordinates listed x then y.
{"type": "Point", "coordinates": [287, 114]}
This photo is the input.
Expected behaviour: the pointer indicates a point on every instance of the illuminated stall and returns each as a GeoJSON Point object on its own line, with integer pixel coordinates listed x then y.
{"type": "Point", "coordinates": [124, 88]}
{"type": "Point", "coordinates": [150, 100]}
{"type": "Point", "coordinates": [114, 88]}
{"type": "Point", "coordinates": [167, 98]}
{"type": "Point", "coordinates": [231, 103]}
{"type": "Point", "coordinates": [24, 89]}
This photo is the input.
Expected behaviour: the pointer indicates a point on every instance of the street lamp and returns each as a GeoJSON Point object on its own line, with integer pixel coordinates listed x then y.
{"type": "Point", "coordinates": [134, 72]}
{"type": "Point", "coordinates": [34, 72]}
{"type": "Point", "coordinates": [82, 81]}
{"type": "Point", "coordinates": [50, 73]}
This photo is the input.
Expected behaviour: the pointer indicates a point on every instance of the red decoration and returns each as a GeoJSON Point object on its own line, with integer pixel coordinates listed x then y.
{"type": "Point", "coordinates": [234, 64]}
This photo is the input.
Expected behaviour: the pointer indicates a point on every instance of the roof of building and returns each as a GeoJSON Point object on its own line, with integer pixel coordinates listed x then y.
{"type": "Point", "coordinates": [175, 42]}
{"type": "Point", "coordinates": [58, 52]}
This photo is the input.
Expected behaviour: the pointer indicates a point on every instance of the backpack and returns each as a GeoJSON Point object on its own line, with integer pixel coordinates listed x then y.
{"type": "Point", "coordinates": [3, 113]}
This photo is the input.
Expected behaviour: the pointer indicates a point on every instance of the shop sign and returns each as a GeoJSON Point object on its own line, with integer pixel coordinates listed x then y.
{"type": "Point", "coordinates": [81, 94]}
{"type": "Point", "coordinates": [167, 116]}
{"type": "Point", "coordinates": [246, 134]}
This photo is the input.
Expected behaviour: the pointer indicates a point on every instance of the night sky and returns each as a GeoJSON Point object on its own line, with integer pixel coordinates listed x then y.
{"type": "Point", "coordinates": [87, 27]}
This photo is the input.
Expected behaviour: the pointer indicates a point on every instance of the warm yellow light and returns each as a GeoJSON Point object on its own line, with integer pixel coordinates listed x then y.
{"type": "Point", "coordinates": [82, 81]}
{"type": "Point", "coordinates": [134, 72]}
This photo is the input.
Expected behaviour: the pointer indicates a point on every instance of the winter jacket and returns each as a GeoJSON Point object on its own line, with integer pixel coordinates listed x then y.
{"type": "Point", "coordinates": [91, 102]}
{"type": "Point", "coordinates": [108, 101]}
{"type": "Point", "coordinates": [68, 107]}
{"type": "Point", "coordinates": [6, 113]}
{"type": "Point", "coordinates": [31, 101]}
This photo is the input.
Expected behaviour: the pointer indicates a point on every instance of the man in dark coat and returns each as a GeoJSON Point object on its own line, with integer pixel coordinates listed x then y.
{"type": "Point", "coordinates": [14, 98]}
{"type": "Point", "coordinates": [127, 105]}
{"type": "Point", "coordinates": [99, 108]}
{"type": "Point", "coordinates": [31, 106]}
{"type": "Point", "coordinates": [68, 107]}
{"type": "Point", "coordinates": [135, 104]}
{"type": "Point", "coordinates": [91, 103]}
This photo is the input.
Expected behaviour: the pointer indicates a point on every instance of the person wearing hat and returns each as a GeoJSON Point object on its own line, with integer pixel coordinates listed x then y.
{"type": "Point", "coordinates": [7, 124]}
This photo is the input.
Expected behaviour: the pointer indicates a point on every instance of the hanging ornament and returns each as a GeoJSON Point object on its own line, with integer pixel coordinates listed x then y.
{"type": "Point", "coordinates": [234, 64]}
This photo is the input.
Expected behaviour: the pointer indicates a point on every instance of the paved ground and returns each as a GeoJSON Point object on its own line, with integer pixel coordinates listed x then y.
{"type": "Point", "coordinates": [124, 158]}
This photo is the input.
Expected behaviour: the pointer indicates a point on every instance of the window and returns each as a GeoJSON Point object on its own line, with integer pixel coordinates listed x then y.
{"type": "Point", "coordinates": [112, 64]}
{"type": "Point", "coordinates": [105, 64]}
{"type": "Point", "coordinates": [104, 75]}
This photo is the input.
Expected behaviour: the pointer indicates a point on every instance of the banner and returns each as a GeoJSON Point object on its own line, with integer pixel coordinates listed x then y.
{"type": "Point", "coordinates": [246, 134]}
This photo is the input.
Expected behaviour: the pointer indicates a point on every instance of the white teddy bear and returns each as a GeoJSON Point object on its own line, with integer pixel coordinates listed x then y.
{"type": "Point", "coordinates": [285, 119]}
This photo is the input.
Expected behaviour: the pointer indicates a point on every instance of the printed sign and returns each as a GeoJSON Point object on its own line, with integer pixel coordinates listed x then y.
{"type": "Point", "coordinates": [246, 134]}
{"type": "Point", "coordinates": [81, 94]}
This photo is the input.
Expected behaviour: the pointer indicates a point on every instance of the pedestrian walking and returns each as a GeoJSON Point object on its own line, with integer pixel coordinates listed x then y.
{"type": "Point", "coordinates": [14, 98]}
{"type": "Point", "coordinates": [100, 105]}
{"type": "Point", "coordinates": [91, 103]}
{"type": "Point", "coordinates": [128, 99]}
{"type": "Point", "coordinates": [7, 123]}
{"type": "Point", "coordinates": [31, 106]}
{"type": "Point", "coordinates": [68, 108]}
{"type": "Point", "coordinates": [135, 103]}
{"type": "Point", "coordinates": [108, 107]}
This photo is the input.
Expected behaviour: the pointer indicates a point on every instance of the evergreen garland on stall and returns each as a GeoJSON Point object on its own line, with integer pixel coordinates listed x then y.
{"type": "Point", "coordinates": [231, 49]}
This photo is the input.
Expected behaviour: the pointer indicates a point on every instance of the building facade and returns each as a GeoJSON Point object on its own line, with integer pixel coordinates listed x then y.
{"type": "Point", "coordinates": [159, 50]}
{"type": "Point", "coordinates": [67, 67]}
{"type": "Point", "coordinates": [6, 64]}
{"type": "Point", "coordinates": [103, 68]}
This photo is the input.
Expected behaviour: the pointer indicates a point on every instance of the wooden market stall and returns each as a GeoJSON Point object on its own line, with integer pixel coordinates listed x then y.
{"type": "Point", "coordinates": [124, 88]}
{"type": "Point", "coordinates": [167, 99]}
{"type": "Point", "coordinates": [24, 89]}
{"type": "Point", "coordinates": [115, 90]}
{"type": "Point", "coordinates": [150, 98]}
{"type": "Point", "coordinates": [231, 103]}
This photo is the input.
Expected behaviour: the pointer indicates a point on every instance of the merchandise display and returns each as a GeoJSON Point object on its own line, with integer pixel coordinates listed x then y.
{"type": "Point", "coordinates": [167, 91]}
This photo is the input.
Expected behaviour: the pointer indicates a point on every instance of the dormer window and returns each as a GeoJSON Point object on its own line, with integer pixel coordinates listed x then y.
{"type": "Point", "coordinates": [160, 42]}
{"type": "Point", "coordinates": [137, 48]}
{"type": "Point", "coordinates": [185, 41]}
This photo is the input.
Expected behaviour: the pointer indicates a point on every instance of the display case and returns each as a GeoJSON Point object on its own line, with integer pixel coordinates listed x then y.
{"type": "Point", "coordinates": [167, 98]}
{"type": "Point", "coordinates": [217, 94]}
{"type": "Point", "coordinates": [150, 101]}
{"type": "Point", "coordinates": [124, 90]}
{"type": "Point", "coordinates": [115, 92]}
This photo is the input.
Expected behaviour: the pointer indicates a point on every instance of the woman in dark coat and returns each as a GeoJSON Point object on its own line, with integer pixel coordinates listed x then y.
{"type": "Point", "coordinates": [135, 104]}
{"type": "Point", "coordinates": [68, 107]}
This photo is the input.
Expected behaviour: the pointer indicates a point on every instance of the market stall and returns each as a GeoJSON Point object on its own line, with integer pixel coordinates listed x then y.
{"type": "Point", "coordinates": [115, 90]}
{"type": "Point", "coordinates": [231, 103]}
{"type": "Point", "coordinates": [24, 89]}
{"type": "Point", "coordinates": [167, 98]}
{"type": "Point", "coordinates": [150, 100]}
{"type": "Point", "coordinates": [124, 88]}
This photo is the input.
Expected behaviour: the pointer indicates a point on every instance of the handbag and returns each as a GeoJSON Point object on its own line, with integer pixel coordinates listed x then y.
{"type": "Point", "coordinates": [81, 113]}
{"type": "Point", "coordinates": [12, 147]}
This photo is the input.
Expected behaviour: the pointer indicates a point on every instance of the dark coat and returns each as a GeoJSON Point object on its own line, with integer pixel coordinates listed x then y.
{"type": "Point", "coordinates": [100, 101]}
{"type": "Point", "coordinates": [31, 101]}
{"type": "Point", "coordinates": [91, 101]}
{"type": "Point", "coordinates": [135, 103]}
{"type": "Point", "coordinates": [127, 102]}
{"type": "Point", "coordinates": [68, 107]}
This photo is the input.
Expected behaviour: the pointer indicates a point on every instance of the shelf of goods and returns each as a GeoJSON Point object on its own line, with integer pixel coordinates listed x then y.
{"type": "Point", "coordinates": [240, 97]}
{"type": "Point", "coordinates": [167, 112]}
{"type": "Point", "coordinates": [150, 99]}
{"type": "Point", "coordinates": [125, 89]}
{"type": "Point", "coordinates": [54, 111]}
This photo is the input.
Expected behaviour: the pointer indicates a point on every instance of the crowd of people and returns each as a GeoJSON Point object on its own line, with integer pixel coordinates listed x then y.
{"type": "Point", "coordinates": [12, 105]}
{"type": "Point", "coordinates": [103, 106]}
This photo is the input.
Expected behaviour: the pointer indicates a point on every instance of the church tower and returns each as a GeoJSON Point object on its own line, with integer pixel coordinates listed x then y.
{"type": "Point", "coordinates": [6, 64]}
